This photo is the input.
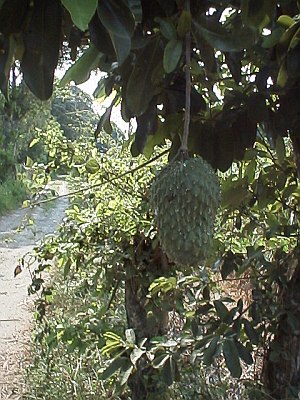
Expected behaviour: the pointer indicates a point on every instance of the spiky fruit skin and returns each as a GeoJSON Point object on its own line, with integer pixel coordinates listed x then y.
{"type": "Point", "coordinates": [185, 197]}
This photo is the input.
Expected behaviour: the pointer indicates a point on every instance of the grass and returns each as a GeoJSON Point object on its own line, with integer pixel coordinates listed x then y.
{"type": "Point", "coordinates": [12, 193]}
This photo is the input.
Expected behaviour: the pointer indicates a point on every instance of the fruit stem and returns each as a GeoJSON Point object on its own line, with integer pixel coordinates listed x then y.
{"type": "Point", "coordinates": [187, 111]}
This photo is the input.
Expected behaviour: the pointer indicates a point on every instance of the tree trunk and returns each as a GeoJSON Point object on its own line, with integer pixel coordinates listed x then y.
{"type": "Point", "coordinates": [282, 367]}
{"type": "Point", "coordinates": [146, 265]}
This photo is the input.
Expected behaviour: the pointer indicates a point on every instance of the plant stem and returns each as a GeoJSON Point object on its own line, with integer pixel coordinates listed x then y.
{"type": "Point", "coordinates": [130, 171]}
{"type": "Point", "coordinates": [187, 113]}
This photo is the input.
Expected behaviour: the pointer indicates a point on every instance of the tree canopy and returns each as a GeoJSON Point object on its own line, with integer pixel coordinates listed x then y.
{"type": "Point", "coordinates": [244, 52]}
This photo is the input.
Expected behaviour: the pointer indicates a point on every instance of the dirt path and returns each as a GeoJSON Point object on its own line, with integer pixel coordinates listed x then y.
{"type": "Point", "coordinates": [15, 304]}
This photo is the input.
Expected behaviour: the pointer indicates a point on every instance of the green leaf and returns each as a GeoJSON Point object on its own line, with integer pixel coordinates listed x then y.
{"type": "Point", "coordinates": [81, 11]}
{"type": "Point", "coordinates": [141, 85]}
{"type": "Point", "coordinates": [122, 46]}
{"type": "Point", "coordinates": [33, 142]}
{"type": "Point", "coordinates": [244, 353]}
{"type": "Point", "coordinates": [119, 21]}
{"type": "Point", "coordinates": [257, 14]}
{"type": "Point", "coordinates": [167, 28]}
{"type": "Point", "coordinates": [221, 309]}
{"type": "Point", "coordinates": [210, 351]}
{"type": "Point", "coordinates": [184, 23]}
{"type": "Point", "coordinates": [280, 149]}
{"type": "Point", "coordinates": [159, 361]}
{"type": "Point", "coordinates": [113, 367]}
{"type": "Point", "coordinates": [169, 371]}
{"type": "Point", "coordinates": [136, 355]}
{"type": "Point", "coordinates": [126, 372]}
{"type": "Point", "coordinates": [81, 70]}
{"type": "Point", "coordinates": [251, 332]}
{"type": "Point", "coordinates": [232, 358]}
{"type": "Point", "coordinates": [116, 17]}
{"type": "Point", "coordinates": [92, 166]}
{"type": "Point", "coordinates": [219, 37]}
{"type": "Point", "coordinates": [172, 55]}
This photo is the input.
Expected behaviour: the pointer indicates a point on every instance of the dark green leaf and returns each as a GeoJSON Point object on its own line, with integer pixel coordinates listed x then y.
{"type": "Point", "coordinates": [211, 351]}
{"type": "Point", "coordinates": [81, 11]}
{"type": "Point", "coordinates": [170, 371]}
{"type": "Point", "coordinates": [167, 28]}
{"type": "Point", "coordinates": [258, 14]}
{"type": "Point", "coordinates": [280, 149]}
{"type": "Point", "coordinates": [184, 23]}
{"type": "Point", "coordinates": [113, 367]}
{"type": "Point", "coordinates": [221, 309]}
{"type": "Point", "coordinates": [100, 37]}
{"type": "Point", "coordinates": [232, 358]}
{"type": "Point", "coordinates": [122, 46]}
{"type": "Point", "coordinates": [12, 16]}
{"type": "Point", "coordinates": [159, 361]}
{"type": "Point", "coordinates": [244, 353]}
{"type": "Point", "coordinates": [81, 70]}
{"type": "Point", "coordinates": [42, 43]}
{"type": "Point", "coordinates": [251, 332]}
{"type": "Point", "coordinates": [219, 37]}
{"type": "Point", "coordinates": [141, 87]}
{"type": "Point", "coordinates": [116, 17]}
{"type": "Point", "coordinates": [146, 125]}
{"type": "Point", "coordinates": [172, 55]}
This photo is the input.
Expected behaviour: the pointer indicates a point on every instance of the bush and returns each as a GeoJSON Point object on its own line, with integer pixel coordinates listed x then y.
{"type": "Point", "coordinates": [12, 193]}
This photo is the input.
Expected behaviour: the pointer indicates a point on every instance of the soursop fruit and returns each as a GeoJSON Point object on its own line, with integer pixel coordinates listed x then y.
{"type": "Point", "coordinates": [185, 197]}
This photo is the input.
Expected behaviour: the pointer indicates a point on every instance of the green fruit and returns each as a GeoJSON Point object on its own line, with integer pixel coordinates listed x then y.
{"type": "Point", "coordinates": [185, 197]}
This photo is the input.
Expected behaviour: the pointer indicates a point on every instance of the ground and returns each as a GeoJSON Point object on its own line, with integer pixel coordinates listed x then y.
{"type": "Point", "coordinates": [16, 307]}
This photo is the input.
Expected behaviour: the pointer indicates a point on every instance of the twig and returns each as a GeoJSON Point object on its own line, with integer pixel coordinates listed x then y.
{"type": "Point", "coordinates": [187, 112]}
{"type": "Point", "coordinates": [131, 171]}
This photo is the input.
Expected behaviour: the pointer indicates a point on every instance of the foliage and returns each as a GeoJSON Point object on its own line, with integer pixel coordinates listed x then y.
{"type": "Point", "coordinates": [220, 315]}
{"type": "Point", "coordinates": [140, 48]}
{"type": "Point", "coordinates": [12, 193]}
{"type": "Point", "coordinates": [244, 122]}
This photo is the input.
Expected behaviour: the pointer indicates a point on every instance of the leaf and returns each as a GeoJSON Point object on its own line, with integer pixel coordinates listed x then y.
{"type": "Point", "coordinates": [172, 55]}
{"type": "Point", "coordinates": [257, 14]}
{"type": "Point", "coordinates": [34, 142]}
{"type": "Point", "coordinates": [146, 125]}
{"type": "Point", "coordinates": [104, 123]}
{"type": "Point", "coordinates": [210, 351]}
{"type": "Point", "coordinates": [232, 358]}
{"type": "Point", "coordinates": [41, 44]}
{"type": "Point", "coordinates": [184, 23]}
{"type": "Point", "coordinates": [116, 17]}
{"type": "Point", "coordinates": [113, 367]}
{"type": "Point", "coordinates": [244, 353]}
{"type": "Point", "coordinates": [92, 166]}
{"type": "Point", "coordinates": [7, 46]}
{"type": "Point", "coordinates": [12, 15]}
{"type": "Point", "coordinates": [219, 37]}
{"type": "Point", "coordinates": [159, 361]}
{"type": "Point", "coordinates": [169, 371]}
{"type": "Point", "coordinates": [141, 86]}
{"type": "Point", "coordinates": [251, 332]}
{"type": "Point", "coordinates": [126, 372]}
{"type": "Point", "coordinates": [81, 11]}
{"type": "Point", "coordinates": [221, 309]}
{"type": "Point", "coordinates": [130, 336]}
{"type": "Point", "coordinates": [280, 149]}
{"type": "Point", "coordinates": [136, 354]}
{"type": "Point", "coordinates": [167, 28]}
{"type": "Point", "coordinates": [81, 70]}
{"type": "Point", "coordinates": [100, 37]}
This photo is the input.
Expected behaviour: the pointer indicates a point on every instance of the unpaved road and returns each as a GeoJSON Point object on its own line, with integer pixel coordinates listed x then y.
{"type": "Point", "coordinates": [15, 304]}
